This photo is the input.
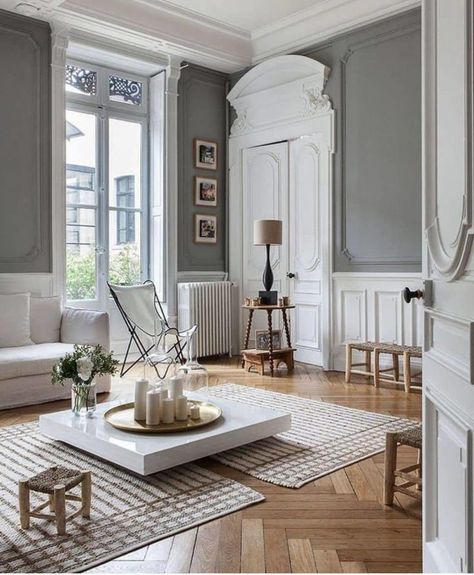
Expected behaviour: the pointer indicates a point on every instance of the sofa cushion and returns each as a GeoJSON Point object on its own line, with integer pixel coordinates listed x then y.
{"type": "Point", "coordinates": [45, 319]}
{"type": "Point", "coordinates": [14, 320]}
{"type": "Point", "coordinates": [31, 359]}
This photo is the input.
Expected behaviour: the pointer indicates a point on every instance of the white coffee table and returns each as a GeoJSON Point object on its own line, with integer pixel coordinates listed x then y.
{"type": "Point", "coordinates": [239, 424]}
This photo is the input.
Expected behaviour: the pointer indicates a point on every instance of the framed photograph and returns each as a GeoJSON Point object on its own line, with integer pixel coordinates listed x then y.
{"type": "Point", "coordinates": [205, 229]}
{"type": "Point", "coordinates": [205, 191]}
{"type": "Point", "coordinates": [205, 154]}
{"type": "Point", "coordinates": [261, 339]}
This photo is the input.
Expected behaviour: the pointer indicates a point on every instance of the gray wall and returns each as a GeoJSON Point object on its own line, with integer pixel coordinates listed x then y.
{"type": "Point", "coordinates": [201, 114]}
{"type": "Point", "coordinates": [25, 145]}
{"type": "Point", "coordinates": [375, 88]}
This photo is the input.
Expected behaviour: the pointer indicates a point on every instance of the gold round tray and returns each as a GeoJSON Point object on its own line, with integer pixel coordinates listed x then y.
{"type": "Point", "coordinates": [122, 417]}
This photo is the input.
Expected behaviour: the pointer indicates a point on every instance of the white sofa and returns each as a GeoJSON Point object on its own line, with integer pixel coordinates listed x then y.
{"type": "Point", "coordinates": [25, 366]}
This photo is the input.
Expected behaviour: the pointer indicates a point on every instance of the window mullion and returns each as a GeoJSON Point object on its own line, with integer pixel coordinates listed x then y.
{"type": "Point", "coordinates": [103, 204]}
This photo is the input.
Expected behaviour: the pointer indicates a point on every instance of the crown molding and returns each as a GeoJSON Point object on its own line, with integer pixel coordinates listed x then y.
{"type": "Point", "coordinates": [162, 29]}
{"type": "Point", "coordinates": [319, 22]}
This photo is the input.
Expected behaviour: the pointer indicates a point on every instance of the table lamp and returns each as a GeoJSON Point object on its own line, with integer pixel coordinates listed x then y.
{"type": "Point", "coordinates": [267, 233]}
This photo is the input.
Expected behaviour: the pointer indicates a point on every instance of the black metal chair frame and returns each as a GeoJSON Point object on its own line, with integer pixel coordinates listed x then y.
{"type": "Point", "coordinates": [143, 350]}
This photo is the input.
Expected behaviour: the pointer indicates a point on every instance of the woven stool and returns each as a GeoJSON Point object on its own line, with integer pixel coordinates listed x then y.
{"type": "Point", "coordinates": [367, 347]}
{"type": "Point", "coordinates": [396, 350]}
{"type": "Point", "coordinates": [55, 482]}
{"type": "Point", "coordinates": [411, 437]}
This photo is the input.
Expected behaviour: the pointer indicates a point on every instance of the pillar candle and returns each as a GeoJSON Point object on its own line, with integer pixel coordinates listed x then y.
{"type": "Point", "coordinates": [167, 409]}
{"type": "Point", "coordinates": [181, 408]}
{"type": "Point", "coordinates": [195, 412]}
{"type": "Point", "coordinates": [176, 386]}
{"type": "Point", "coordinates": [153, 401]}
{"type": "Point", "coordinates": [141, 388]}
{"type": "Point", "coordinates": [163, 395]}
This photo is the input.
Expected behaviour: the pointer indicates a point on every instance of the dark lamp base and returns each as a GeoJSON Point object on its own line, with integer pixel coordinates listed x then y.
{"type": "Point", "coordinates": [268, 297]}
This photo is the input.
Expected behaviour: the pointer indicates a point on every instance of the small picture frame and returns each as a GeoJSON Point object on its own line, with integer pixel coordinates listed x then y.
{"type": "Point", "coordinates": [205, 154]}
{"type": "Point", "coordinates": [261, 339]}
{"type": "Point", "coordinates": [205, 229]}
{"type": "Point", "coordinates": [205, 191]}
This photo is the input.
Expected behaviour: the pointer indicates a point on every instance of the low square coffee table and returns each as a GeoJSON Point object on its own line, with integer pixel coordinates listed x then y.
{"type": "Point", "coordinates": [240, 423]}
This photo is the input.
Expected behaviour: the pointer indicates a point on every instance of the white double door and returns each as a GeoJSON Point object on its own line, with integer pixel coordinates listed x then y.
{"type": "Point", "coordinates": [290, 181]}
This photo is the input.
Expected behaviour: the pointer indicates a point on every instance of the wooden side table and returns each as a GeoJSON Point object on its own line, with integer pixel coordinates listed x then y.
{"type": "Point", "coordinates": [251, 353]}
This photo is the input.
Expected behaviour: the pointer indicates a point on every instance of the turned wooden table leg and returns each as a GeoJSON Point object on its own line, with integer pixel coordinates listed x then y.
{"type": "Point", "coordinates": [287, 329]}
{"type": "Point", "coordinates": [270, 340]}
{"type": "Point", "coordinates": [247, 333]}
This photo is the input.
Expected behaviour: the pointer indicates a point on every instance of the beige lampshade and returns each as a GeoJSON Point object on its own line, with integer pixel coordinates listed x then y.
{"type": "Point", "coordinates": [267, 232]}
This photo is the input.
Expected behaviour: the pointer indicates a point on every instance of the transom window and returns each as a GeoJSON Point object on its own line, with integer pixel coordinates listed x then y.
{"type": "Point", "coordinates": [106, 180]}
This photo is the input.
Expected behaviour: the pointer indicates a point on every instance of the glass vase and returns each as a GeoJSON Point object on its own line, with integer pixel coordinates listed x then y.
{"type": "Point", "coordinates": [196, 376]}
{"type": "Point", "coordinates": [83, 399]}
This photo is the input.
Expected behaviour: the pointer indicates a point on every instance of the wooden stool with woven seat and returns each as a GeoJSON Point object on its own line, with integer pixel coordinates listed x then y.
{"type": "Point", "coordinates": [411, 474]}
{"type": "Point", "coordinates": [396, 350]}
{"type": "Point", "coordinates": [55, 482]}
{"type": "Point", "coordinates": [365, 346]}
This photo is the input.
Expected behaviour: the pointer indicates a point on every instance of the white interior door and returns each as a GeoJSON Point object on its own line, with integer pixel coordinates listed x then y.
{"type": "Point", "coordinates": [309, 221]}
{"type": "Point", "coordinates": [265, 196]}
{"type": "Point", "coordinates": [448, 362]}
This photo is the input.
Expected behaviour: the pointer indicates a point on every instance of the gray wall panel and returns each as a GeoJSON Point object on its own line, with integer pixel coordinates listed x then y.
{"type": "Point", "coordinates": [201, 114]}
{"type": "Point", "coordinates": [375, 87]}
{"type": "Point", "coordinates": [25, 145]}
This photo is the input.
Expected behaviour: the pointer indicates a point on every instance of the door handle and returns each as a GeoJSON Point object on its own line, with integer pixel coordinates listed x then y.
{"type": "Point", "coordinates": [409, 294]}
{"type": "Point", "coordinates": [290, 275]}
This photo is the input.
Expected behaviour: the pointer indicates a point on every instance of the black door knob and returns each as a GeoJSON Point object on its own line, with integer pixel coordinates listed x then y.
{"type": "Point", "coordinates": [409, 294]}
{"type": "Point", "coordinates": [290, 275]}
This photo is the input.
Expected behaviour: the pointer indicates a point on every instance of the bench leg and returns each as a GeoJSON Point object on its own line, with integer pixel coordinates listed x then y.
{"type": "Point", "coordinates": [407, 371]}
{"type": "Point", "coordinates": [390, 465]}
{"type": "Point", "coordinates": [86, 493]}
{"type": "Point", "coordinates": [24, 502]}
{"type": "Point", "coordinates": [368, 361]}
{"type": "Point", "coordinates": [396, 367]}
{"type": "Point", "coordinates": [60, 508]}
{"type": "Point", "coordinates": [348, 362]}
{"type": "Point", "coordinates": [376, 368]}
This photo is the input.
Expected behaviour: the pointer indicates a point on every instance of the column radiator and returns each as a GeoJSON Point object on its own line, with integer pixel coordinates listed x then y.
{"type": "Point", "coordinates": [208, 305]}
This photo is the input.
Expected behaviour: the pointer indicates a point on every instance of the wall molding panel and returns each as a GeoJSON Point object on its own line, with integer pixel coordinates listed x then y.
{"type": "Point", "coordinates": [371, 307]}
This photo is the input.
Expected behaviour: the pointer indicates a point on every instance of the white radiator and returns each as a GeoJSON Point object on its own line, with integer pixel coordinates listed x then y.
{"type": "Point", "coordinates": [208, 305]}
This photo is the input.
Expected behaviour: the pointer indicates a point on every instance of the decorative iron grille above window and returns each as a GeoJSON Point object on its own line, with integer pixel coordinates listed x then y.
{"type": "Point", "coordinates": [82, 80]}
{"type": "Point", "coordinates": [123, 90]}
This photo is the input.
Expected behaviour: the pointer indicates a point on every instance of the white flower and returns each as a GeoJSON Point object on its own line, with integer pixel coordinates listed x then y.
{"type": "Point", "coordinates": [84, 368]}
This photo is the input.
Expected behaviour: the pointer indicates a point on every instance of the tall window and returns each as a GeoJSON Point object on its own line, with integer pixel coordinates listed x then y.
{"type": "Point", "coordinates": [106, 180]}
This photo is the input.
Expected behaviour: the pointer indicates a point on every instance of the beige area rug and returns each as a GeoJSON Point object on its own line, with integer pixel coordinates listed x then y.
{"type": "Point", "coordinates": [128, 511]}
{"type": "Point", "coordinates": [323, 438]}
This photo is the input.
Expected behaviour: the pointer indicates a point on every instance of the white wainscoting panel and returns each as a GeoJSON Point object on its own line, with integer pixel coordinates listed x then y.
{"type": "Point", "coordinates": [370, 306]}
{"type": "Point", "coordinates": [36, 284]}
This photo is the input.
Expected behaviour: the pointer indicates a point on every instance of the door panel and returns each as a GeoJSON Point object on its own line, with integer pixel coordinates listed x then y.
{"type": "Point", "coordinates": [448, 366]}
{"type": "Point", "coordinates": [308, 226]}
{"type": "Point", "coordinates": [265, 176]}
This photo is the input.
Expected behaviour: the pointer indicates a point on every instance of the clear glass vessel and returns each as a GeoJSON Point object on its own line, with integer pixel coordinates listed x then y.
{"type": "Point", "coordinates": [196, 376]}
{"type": "Point", "coordinates": [83, 399]}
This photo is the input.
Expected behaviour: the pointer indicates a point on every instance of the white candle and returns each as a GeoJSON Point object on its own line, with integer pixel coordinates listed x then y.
{"type": "Point", "coordinates": [181, 408]}
{"type": "Point", "coordinates": [195, 412]}
{"type": "Point", "coordinates": [153, 401]}
{"type": "Point", "coordinates": [176, 386]}
{"type": "Point", "coordinates": [141, 388]}
{"type": "Point", "coordinates": [163, 395]}
{"type": "Point", "coordinates": [167, 410]}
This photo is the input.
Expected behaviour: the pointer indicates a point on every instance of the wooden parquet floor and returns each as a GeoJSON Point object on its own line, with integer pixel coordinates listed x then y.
{"type": "Point", "coordinates": [337, 524]}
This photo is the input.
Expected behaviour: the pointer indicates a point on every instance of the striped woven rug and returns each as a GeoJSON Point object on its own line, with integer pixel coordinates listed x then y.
{"type": "Point", "coordinates": [128, 511]}
{"type": "Point", "coordinates": [323, 438]}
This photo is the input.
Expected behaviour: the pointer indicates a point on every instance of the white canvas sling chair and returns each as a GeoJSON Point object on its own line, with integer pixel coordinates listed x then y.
{"type": "Point", "coordinates": [144, 317]}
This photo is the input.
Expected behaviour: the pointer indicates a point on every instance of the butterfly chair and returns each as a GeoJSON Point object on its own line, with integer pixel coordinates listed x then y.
{"type": "Point", "coordinates": [145, 319]}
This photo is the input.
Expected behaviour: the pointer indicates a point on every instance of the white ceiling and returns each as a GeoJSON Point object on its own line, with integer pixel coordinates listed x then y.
{"type": "Point", "coordinates": [226, 35]}
{"type": "Point", "coordinates": [245, 14]}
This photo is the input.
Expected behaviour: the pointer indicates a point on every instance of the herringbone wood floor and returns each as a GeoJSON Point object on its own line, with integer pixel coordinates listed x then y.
{"type": "Point", "coordinates": [335, 524]}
